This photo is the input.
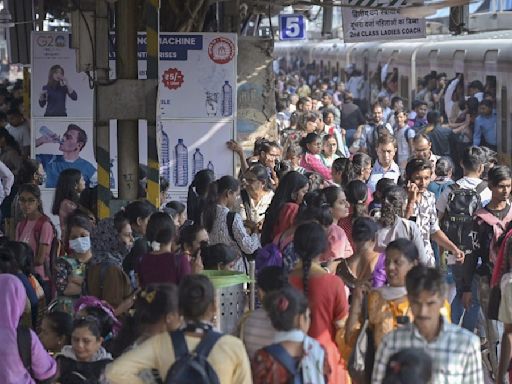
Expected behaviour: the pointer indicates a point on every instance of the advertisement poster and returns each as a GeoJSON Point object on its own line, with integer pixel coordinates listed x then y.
{"type": "Point", "coordinates": [62, 144]}
{"type": "Point", "coordinates": [190, 146]}
{"type": "Point", "coordinates": [58, 91]}
{"type": "Point", "coordinates": [360, 24]}
{"type": "Point", "coordinates": [197, 75]}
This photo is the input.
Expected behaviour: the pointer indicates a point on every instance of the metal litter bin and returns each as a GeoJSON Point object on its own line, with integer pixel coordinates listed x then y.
{"type": "Point", "coordinates": [231, 297]}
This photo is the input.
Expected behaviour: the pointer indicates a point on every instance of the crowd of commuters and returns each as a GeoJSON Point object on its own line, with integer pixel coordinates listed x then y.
{"type": "Point", "coordinates": [382, 254]}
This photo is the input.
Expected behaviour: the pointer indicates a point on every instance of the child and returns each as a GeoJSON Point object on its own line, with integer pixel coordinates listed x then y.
{"type": "Point", "coordinates": [295, 357]}
{"type": "Point", "coordinates": [56, 329]}
{"type": "Point", "coordinates": [293, 155]}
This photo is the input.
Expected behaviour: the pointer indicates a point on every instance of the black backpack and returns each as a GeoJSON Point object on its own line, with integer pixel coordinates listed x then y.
{"type": "Point", "coordinates": [192, 367]}
{"type": "Point", "coordinates": [457, 221]}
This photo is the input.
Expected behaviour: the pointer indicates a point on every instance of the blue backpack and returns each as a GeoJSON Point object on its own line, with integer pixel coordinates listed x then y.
{"type": "Point", "coordinates": [192, 367]}
{"type": "Point", "coordinates": [283, 357]}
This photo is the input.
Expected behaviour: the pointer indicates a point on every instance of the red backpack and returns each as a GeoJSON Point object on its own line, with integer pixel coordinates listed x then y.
{"type": "Point", "coordinates": [498, 227]}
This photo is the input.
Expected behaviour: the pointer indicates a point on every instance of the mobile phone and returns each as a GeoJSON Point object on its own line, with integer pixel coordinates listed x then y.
{"type": "Point", "coordinates": [403, 320]}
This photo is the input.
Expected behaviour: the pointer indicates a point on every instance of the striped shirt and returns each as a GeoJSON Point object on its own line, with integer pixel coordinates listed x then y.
{"type": "Point", "coordinates": [257, 331]}
{"type": "Point", "coordinates": [455, 353]}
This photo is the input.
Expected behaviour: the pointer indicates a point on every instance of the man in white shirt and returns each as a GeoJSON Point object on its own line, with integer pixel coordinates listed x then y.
{"type": "Point", "coordinates": [385, 167]}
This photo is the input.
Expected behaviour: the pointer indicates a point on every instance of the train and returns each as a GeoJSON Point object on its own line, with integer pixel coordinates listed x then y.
{"type": "Point", "coordinates": [485, 56]}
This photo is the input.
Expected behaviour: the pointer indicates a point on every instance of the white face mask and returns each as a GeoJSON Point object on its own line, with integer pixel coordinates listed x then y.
{"type": "Point", "coordinates": [81, 244]}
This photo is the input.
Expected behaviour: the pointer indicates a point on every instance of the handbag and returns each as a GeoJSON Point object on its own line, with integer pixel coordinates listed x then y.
{"type": "Point", "coordinates": [360, 363]}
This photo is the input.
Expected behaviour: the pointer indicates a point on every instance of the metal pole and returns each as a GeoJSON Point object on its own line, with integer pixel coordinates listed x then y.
{"type": "Point", "coordinates": [252, 290]}
{"type": "Point", "coordinates": [126, 68]}
{"type": "Point", "coordinates": [152, 28]}
{"type": "Point", "coordinates": [101, 128]}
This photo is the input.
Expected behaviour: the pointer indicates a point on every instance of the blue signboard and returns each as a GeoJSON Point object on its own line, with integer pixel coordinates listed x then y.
{"type": "Point", "coordinates": [292, 27]}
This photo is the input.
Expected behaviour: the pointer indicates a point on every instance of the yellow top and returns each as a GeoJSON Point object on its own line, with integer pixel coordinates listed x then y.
{"type": "Point", "coordinates": [227, 357]}
{"type": "Point", "coordinates": [382, 314]}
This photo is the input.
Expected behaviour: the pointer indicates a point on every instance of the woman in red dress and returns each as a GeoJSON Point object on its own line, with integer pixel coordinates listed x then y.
{"type": "Point", "coordinates": [325, 293]}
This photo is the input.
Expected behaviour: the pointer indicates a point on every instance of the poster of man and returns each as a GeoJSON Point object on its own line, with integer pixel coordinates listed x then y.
{"type": "Point", "coordinates": [63, 145]}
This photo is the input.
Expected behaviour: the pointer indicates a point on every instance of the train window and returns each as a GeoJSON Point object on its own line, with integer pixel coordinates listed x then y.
{"type": "Point", "coordinates": [504, 120]}
{"type": "Point", "coordinates": [490, 86]}
{"type": "Point", "coordinates": [404, 89]}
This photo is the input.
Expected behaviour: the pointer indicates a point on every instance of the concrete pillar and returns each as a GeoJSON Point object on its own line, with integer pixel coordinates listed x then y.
{"type": "Point", "coordinates": [126, 68]}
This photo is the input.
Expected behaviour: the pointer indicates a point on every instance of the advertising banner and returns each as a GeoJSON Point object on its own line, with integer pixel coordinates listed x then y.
{"type": "Point", "coordinates": [62, 144]}
{"type": "Point", "coordinates": [188, 146]}
{"type": "Point", "coordinates": [57, 89]}
{"type": "Point", "coordinates": [360, 24]}
{"type": "Point", "coordinates": [197, 75]}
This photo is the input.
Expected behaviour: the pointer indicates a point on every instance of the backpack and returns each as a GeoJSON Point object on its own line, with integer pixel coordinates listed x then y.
{"type": "Point", "coordinates": [498, 227]}
{"type": "Point", "coordinates": [438, 188]}
{"type": "Point", "coordinates": [457, 222]}
{"type": "Point", "coordinates": [24, 342]}
{"type": "Point", "coordinates": [55, 245]}
{"type": "Point", "coordinates": [268, 256]}
{"type": "Point", "coordinates": [192, 367]}
{"type": "Point", "coordinates": [282, 356]}
{"type": "Point", "coordinates": [104, 266]}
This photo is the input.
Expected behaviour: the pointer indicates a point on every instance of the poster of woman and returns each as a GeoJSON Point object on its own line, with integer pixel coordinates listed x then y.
{"type": "Point", "coordinates": [58, 90]}
{"type": "Point", "coordinates": [54, 94]}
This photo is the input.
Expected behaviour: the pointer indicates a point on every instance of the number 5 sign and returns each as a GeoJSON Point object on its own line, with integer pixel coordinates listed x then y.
{"type": "Point", "coordinates": [292, 27]}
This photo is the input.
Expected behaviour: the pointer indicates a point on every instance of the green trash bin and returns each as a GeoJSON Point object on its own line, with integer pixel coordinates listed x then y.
{"type": "Point", "coordinates": [231, 297]}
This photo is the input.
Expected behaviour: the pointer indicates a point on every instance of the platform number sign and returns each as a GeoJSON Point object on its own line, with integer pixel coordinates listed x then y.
{"type": "Point", "coordinates": [292, 27]}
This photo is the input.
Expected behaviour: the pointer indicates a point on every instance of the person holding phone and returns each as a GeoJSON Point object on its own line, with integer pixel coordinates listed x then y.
{"type": "Point", "coordinates": [55, 92]}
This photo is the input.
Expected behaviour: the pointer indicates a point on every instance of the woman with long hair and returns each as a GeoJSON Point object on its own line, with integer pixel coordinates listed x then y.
{"type": "Point", "coordinates": [55, 91]}
{"type": "Point", "coordinates": [284, 207]}
{"type": "Point", "coordinates": [325, 293]}
{"type": "Point", "coordinates": [67, 193]}
{"type": "Point", "coordinates": [394, 225]}
{"type": "Point", "coordinates": [196, 196]}
{"type": "Point", "coordinates": [226, 227]}
{"type": "Point", "coordinates": [357, 196]}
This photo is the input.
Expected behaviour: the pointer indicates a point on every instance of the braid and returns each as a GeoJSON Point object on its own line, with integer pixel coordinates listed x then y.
{"type": "Point", "coordinates": [306, 267]}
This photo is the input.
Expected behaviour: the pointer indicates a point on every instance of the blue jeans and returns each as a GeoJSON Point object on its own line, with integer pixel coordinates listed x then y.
{"type": "Point", "coordinates": [471, 316]}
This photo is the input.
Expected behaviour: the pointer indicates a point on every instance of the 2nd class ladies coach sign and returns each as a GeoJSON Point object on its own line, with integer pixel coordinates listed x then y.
{"type": "Point", "coordinates": [197, 76]}
{"type": "Point", "coordinates": [375, 24]}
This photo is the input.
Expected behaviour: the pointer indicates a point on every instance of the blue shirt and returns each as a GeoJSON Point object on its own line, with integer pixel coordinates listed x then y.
{"type": "Point", "coordinates": [54, 164]}
{"type": "Point", "coordinates": [485, 126]}
{"type": "Point", "coordinates": [379, 173]}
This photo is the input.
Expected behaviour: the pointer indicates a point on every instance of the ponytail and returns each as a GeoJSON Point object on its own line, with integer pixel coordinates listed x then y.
{"type": "Point", "coordinates": [310, 241]}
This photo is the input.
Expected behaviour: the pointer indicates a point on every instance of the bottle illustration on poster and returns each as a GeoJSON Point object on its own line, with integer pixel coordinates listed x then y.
{"type": "Point", "coordinates": [49, 135]}
{"type": "Point", "coordinates": [210, 167]}
{"type": "Point", "coordinates": [227, 99]}
{"type": "Point", "coordinates": [166, 158]}
{"type": "Point", "coordinates": [181, 164]}
{"type": "Point", "coordinates": [197, 162]}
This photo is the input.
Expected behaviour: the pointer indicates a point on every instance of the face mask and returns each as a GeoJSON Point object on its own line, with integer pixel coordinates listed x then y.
{"type": "Point", "coordinates": [81, 244]}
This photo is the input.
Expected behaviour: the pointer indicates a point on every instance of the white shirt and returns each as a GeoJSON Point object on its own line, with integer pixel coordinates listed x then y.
{"type": "Point", "coordinates": [379, 173]}
{"type": "Point", "coordinates": [7, 180]}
